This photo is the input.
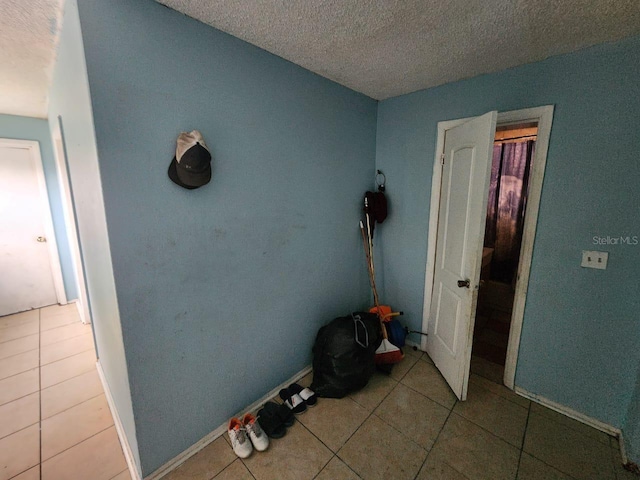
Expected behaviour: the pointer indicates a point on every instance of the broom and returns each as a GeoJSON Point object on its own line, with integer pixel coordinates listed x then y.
{"type": "Point", "coordinates": [387, 353]}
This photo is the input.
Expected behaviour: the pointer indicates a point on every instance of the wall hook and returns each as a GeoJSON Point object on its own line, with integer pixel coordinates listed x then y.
{"type": "Point", "coordinates": [380, 180]}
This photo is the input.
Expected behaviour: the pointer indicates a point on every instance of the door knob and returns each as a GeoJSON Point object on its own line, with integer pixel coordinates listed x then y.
{"type": "Point", "coordinates": [41, 239]}
{"type": "Point", "coordinates": [464, 283]}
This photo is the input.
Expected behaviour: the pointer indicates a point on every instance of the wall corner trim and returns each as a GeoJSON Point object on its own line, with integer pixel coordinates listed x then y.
{"type": "Point", "coordinates": [126, 448]}
{"type": "Point", "coordinates": [569, 412]}
{"type": "Point", "coordinates": [221, 430]}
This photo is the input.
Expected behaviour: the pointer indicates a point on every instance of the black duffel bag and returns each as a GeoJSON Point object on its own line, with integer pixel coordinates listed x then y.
{"type": "Point", "coordinates": [343, 354]}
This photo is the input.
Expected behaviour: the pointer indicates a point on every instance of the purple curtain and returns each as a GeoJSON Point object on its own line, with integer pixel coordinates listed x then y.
{"type": "Point", "coordinates": [507, 202]}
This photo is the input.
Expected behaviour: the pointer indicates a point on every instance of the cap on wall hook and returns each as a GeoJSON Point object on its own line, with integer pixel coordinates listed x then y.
{"type": "Point", "coordinates": [380, 180]}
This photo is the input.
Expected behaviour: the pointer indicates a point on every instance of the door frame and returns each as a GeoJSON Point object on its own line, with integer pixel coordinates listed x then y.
{"type": "Point", "coordinates": [33, 147]}
{"type": "Point", "coordinates": [543, 116]}
{"type": "Point", "coordinates": [68, 208]}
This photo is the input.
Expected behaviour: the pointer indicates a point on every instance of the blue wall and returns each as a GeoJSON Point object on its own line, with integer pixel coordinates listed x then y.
{"type": "Point", "coordinates": [631, 428]}
{"type": "Point", "coordinates": [221, 290]}
{"type": "Point", "coordinates": [579, 344]}
{"type": "Point", "coordinates": [69, 98]}
{"type": "Point", "coordinates": [26, 128]}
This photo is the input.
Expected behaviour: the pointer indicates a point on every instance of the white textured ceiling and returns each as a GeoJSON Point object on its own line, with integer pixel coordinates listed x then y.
{"type": "Point", "coordinates": [28, 38]}
{"type": "Point", "coordinates": [385, 48]}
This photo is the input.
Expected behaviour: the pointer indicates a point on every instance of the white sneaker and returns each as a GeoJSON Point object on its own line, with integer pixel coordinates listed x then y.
{"type": "Point", "coordinates": [239, 441]}
{"type": "Point", "coordinates": [257, 436]}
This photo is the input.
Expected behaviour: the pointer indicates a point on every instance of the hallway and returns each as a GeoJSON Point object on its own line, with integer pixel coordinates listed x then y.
{"type": "Point", "coordinates": [55, 422]}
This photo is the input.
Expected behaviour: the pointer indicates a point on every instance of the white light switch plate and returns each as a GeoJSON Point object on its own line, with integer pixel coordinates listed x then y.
{"type": "Point", "coordinates": [592, 259]}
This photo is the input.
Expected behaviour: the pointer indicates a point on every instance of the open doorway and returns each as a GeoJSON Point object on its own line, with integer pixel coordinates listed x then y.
{"type": "Point", "coordinates": [513, 152]}
{"type": "Point", "coordinates": [464, 151]}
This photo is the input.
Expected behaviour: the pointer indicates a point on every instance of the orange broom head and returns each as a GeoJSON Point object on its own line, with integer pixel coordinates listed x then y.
{"type": "Point", "coordinates": [388, 353]}
{"type": "Point", "coordinates": [384, 312]}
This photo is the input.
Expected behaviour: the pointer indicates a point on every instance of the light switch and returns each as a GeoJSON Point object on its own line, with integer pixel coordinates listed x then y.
{"type": "Point", "coordinates": [592, 259]}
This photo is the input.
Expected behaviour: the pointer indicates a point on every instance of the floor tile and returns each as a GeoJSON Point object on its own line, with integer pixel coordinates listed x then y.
{"type": "Point", "coordinates": [19, 318]}
{"type": "Point", "coordinates": [19, 414]}
{"type": "Point", "coordinates": [498, 389]}
{"type": "Point", "coordinates": [66, 429]}
{"type": "Point", "coordinates": [49, 337]}
{"type": "Point", "coordinates": [487, 369]}
{"type": "Point", "coordinates": [19, 452]}
{"type": "Point", "coordinates": [408, 350]}
{"type": "Point", "coordinates": [20, 385]}
{"type": "Point", "coordinates": [568, 450]}
{"type": "Point", "coordinates": [98, 458]}
{"type": "Point", "coordinates": [207, 463]}
{"type": "Point", "coordinates": [19, 331]}
{"type": "Point", "coordinates": [419, 417]}
{"type": "Point", "coordinates": [58, 315]}
{"type": "Point", "coordinates": [436, 468]}
{"type": "Point", "coordinates": [614, 442]}
{"type": "Point", "coordinates": [66, 348]}
{"type": "Point", "coordinates": [124, 475]}
{"type": "Point", "coordinates": [334, 420]}
{"type": "Point", "coordinates": [427, 358]}
{"type": "Point", "coordinates": [336, 469]}
{"type": "Point", "coordinates": [571, 423]}
{"type": "Point", "coordinates": [67, 368]}
{"type": "Point", "coordinates": [378, 451]}
{"type": "Point", "coordinates": [467, 449]}
{"type": "Point", "coordinates": [533, 469]}
{"type": "Point", "coordinates": [375, 391]}
{"type": "Point", "coordinates": [297, 456]}
{"type": "Point", "coordinates": [426, 379]}
{"type": "Point", "coordinates": [621, 472]}
{"type": "Point", "coordinates": [69, 393]}
{"type": "Point", "coordinates": [400, 369]}
{"type": "Point", "coordinates": [494, 413]}
{"type": "Point", "coordinates": [31, 474]}
{"type": "Point", "coordinates": [235, 471]}
{"type": "Point", "coordinates": [19, 345]}
{"type": "Point", "coordinates": [18, 363]}
{"type": "Point", "coordinates": [305, 381]}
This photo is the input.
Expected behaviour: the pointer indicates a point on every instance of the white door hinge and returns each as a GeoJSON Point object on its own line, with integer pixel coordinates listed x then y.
{"type": "Point", "coordinates": [442, 159]}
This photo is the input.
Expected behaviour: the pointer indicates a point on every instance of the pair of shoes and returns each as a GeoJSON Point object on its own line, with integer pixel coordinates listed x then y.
{"type": "Point", "coordinates": [274, 419]}
{"type": "Point", "coordinates": [245, 435]}
{"type": "Point", "coordinates": [298, 399]}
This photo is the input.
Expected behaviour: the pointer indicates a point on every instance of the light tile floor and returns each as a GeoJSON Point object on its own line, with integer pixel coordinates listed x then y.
{"type": "Point", "coordinates": [55, 423]}
{"type": "Point", "coordinates": [409, 425]}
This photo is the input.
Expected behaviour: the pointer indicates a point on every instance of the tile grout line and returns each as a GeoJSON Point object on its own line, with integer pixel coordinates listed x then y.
{"type": "Point", "coordinates": [18, 338]}
{"type": "Point", "coordinates": [126, 470]}
{"type": "Point", "coordinates": [80, 442]}
{"type": "Point", "coordinates": [64, 339]}
{"type": "Point", "coordinates": [22, 353]}
{"type": "Point", "coordinates": [72, 355]}
{"type": "Point", "coordinates": [436, 441]}
{"type": "Point", "coordinates": [532, 455]}
{"type": "Point", "coordinates": [524, 436]}
{"type": "Point", "coordinates": [73, 406]}
{"type": "Point", "coordinates": [20, 430]}
{"type": "Point", "coordinates": [75, 376]}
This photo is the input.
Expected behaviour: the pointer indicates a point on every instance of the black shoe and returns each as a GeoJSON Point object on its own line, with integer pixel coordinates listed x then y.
{"type": "Point", "coordinates": [270, 421]}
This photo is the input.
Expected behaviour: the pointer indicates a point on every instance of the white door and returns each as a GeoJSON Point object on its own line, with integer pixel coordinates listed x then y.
{"type": "Point", "coordinates": [466, 171]}
{"type": "Point", "coordinates": [26, 278]}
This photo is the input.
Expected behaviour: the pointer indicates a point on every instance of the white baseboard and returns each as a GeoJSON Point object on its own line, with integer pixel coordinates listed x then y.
{"type": "Point", "coordinates": [623, 449]}
{"type": "Point", "coordinates": [564, 410]}
{"type": "Point", "coordinates": [222, 429]}
{"type": "Point", "coordinates": [76, 302]}
{"type": "Point", "coordinates": [133, 470]}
